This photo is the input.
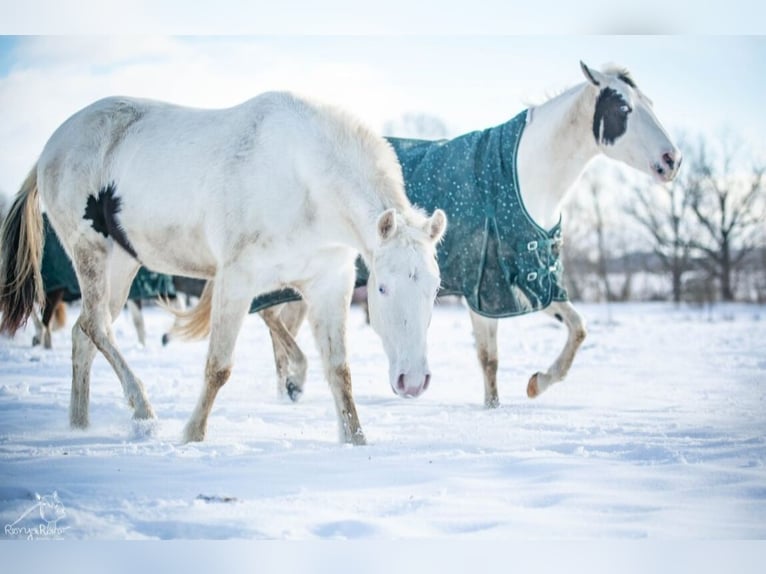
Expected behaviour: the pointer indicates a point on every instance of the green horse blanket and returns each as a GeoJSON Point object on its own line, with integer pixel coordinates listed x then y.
{"type": "Point", "coordinates": [493, 253]}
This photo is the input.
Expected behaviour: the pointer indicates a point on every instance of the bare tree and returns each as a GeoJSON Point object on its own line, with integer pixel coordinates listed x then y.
{"type": "Point", "coordinates": [664, 214]}
{"type": "Point", "coordinates": [596, 243]}
{"type": "Point", "coordinates": [595, 188]}
{"type": "Point", "coordinates": [728, 203]}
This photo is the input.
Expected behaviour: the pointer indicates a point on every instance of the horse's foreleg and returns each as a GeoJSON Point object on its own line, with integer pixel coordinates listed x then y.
{"type": "Point", "coordinates": [284, 323]}
{"type": "Point", "coordinates": [565, 312]}
{"type": "Point", "coordinates": [485, 335]}
{"type": "Point", "coordinates": [138, 320]}
{"type": "Point", "coordinates": [328, 311]}
{"type": "Point", "coordinates": [227, 313]}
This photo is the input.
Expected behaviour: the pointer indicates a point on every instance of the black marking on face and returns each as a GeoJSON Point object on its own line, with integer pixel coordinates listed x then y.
{"type": "Point", "coordinates": [610, 120]}
{"type": "Point", "coordinates": [102, 211]}
{"type": "Point", "coordinates": [559, 318]}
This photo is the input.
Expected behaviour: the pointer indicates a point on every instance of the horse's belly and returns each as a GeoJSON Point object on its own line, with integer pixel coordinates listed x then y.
{"type": "Point", "coordinates": [176, 251]}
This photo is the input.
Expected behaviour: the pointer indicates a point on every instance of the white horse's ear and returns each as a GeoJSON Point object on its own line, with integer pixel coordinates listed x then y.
{"type": "Point", "coordinates": [437, 225]}
{"type": "Point", "coordinates": [387, 224]}
{"type": "Point", "coordinates": [592, 76]}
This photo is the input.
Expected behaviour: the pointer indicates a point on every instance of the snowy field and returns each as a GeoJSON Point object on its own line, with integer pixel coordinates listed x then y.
{"type": "Point", "coordinates": [657, 433]}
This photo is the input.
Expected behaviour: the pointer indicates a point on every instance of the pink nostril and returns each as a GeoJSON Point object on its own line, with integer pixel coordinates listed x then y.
{"type": "Point", "coordinates": [428, 381]}
{"type": "Point", "coordinates": [400, 383]}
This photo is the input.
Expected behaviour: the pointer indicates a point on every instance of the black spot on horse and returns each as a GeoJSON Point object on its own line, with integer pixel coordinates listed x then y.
{"type": "Point", "coordinates": [610, 120]}
{"type": "Point", "coordinates": [102, 211]}
{"type": "Point", "coordinates": [559, 318]}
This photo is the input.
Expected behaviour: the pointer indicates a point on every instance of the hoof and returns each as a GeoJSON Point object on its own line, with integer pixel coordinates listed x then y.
{"type": "Point", "coordinates": [193, 434]}
{"type": "Point", "coordinates": [492, 403]}
{"type": "Point", "coordinates": [35, 341]}
{"type": "Point", "coordinates": [357, 439]}
{"type": "Point", "coordinates": [533, 390]}
{"type": "Point", "coordinates": [79, 424]}
{"type": "Point", "coordinates": [144, 428]}
{"type": "Point", "coordinates": [293, 391]}
{"type": "Point", "coordinates": [144, 414]}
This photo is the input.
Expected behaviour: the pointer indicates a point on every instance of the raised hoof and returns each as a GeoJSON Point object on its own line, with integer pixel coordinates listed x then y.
{"type": "Point", "coordinates": [533, 390]}
{"type": "Point", "coordinates": [293, 391]}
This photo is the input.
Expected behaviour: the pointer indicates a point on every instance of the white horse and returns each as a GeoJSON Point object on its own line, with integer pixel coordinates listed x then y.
{"type": "Point", "coordinates": [276, 192]}
{"type": "Point", "coordinates": [607, 114]}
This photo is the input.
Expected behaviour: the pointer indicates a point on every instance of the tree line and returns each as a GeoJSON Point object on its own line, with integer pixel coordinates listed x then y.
{"type": "Point", "coordinates": [701, 238]}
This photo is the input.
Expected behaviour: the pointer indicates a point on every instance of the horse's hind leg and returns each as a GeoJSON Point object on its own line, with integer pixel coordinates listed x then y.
{"type": "Point", "coordinates": [284, 323]}
{"type": "Point", "coordinates": [37, 338]}
{"type": "Point", "coordinates": [138, 320]}
{"type": "Point", "coordinates": [227, 312]}
{"type": "Point", "coordinates": [92, 330]}
{"type": "Point", "coordinates": [565, 312]}
{"type": "Point", "coordinates": [485, 335]}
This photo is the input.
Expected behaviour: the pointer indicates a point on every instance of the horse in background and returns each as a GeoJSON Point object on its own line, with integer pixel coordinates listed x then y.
{"type": "Point", "coordinates": [502, 189]}
{"type": "Point", "coordinates": [277, 192]}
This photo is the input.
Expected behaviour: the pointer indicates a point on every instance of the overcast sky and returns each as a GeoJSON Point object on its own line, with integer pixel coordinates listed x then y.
{"type": "Point", "coordinates": [699, 83]}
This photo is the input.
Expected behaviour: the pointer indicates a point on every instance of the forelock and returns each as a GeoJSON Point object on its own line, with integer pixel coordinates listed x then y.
{"type": "Point", "coordinates": [620, 73]}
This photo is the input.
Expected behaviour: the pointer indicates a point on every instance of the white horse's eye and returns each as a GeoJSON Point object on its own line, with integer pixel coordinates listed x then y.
{"type": "Point", "coordinates": [382, 289]}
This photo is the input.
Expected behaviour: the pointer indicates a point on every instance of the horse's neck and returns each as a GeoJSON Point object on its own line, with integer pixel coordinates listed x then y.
{"type": "Point", "coordinates": [554, 149]}
{"type": "Point", "coordinates": [356, 222]}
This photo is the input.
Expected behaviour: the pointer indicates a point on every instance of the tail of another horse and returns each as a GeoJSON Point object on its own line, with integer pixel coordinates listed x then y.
{"type": "Point", "coordinates": [193, 323]}
{"type": "Point", "coordinates": [21, 247]}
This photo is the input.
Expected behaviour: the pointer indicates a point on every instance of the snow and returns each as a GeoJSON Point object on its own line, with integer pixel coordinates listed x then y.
{"type": "Point", "coordinates": [658, 433]}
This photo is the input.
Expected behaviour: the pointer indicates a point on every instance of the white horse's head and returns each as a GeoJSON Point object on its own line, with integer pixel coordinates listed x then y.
{"type": "Point", "coordinates": [625, 126]}
{"type": "Point", "coordinates": [404, 280]}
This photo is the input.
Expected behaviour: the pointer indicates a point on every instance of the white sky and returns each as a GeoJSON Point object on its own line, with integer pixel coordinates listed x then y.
{"type": "Point", "coordinates": [699, 83]}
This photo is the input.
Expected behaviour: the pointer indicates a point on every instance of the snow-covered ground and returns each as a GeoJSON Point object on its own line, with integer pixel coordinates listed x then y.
{"type": "Point", "coordinates": [657, 433]}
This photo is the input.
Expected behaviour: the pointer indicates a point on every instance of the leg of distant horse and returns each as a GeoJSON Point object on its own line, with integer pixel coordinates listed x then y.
{"type": "Point", "coordinates": [228, 311]}
{"type": "Point", "coordinates": [563, 311]}
{"type": "Point", "coordinates": [92, 330]}
{"type": "Point", "coordinates": [37, 338]}
{"type": "Point", "coordinates": [328, 311]}
{"type": "Point", "coordinates": [284, 322]}
{"type": "Point", "coordinates": [485, 335]}
{"type": "Point", "coordinates": [52, 300]}
{"type": "Point", "coordinates": [138, 320]}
